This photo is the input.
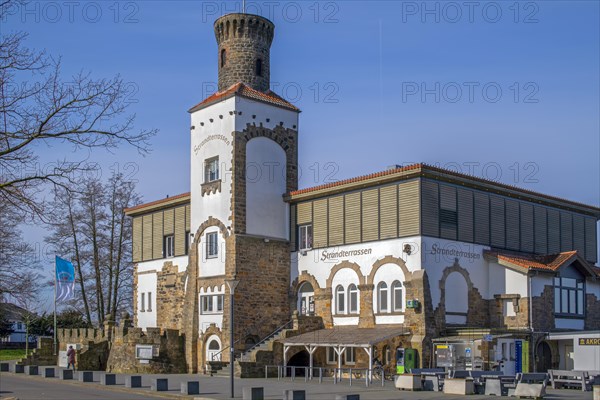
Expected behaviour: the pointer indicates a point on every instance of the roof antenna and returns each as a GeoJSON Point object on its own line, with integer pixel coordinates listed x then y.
{"type": "Point", "coordinates": [244, 6]}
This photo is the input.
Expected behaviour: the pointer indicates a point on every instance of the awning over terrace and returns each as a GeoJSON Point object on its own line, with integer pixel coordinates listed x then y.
{"type": "Point", "coordinates": [340, 338]}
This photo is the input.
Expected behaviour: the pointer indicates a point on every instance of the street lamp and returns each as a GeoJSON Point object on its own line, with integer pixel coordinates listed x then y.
{"type": "Point", "coordinates": [232, 284]}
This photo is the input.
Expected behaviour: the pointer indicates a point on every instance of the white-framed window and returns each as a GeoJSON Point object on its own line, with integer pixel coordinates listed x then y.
{"type": "Point", "coordinates": [349, 355]}
{"type": "Point", "coordinates": [397, 296]}
{"type": "Point", "coordinates": [211, 304]}
{"type": "Point", "coordinates": [19, 325]}
{"type": "Point", "coordinates": [168, 246]}
{"type": "Point", "coordinates": [211, 169]}
{"type": "Point", "coordinates": [143, 302]}
{"type": "Point", "coordinates": [352, 299]}
{"type": "Point", "coordinates": [212, 244]}
{"type": "Point", "coordinates": [340, 299]}
{"type": "Point", "coordinates": [149, 301]}
{"type": "Point", "coordinates": [569, 296]}
{"type": "Point", "coordinates": [305, 237]}
{"type": "Point", "coordinates": [332, 356]}
{"type": "Point", "coordinates": [382, 297]}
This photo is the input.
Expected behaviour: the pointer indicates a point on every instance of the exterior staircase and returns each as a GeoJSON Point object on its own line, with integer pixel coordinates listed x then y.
{"type": "Point", "coordinates": [264, 345]}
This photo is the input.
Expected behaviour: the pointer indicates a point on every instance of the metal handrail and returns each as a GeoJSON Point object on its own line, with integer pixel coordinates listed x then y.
{"type": "Point", "coordinates": [212, 357]}
{"type": "Point", "coordinates": [266, 338]}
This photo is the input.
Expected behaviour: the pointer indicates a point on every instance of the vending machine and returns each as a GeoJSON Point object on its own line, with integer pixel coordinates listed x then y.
{"type": "Point", "coordinates": [406, 360]}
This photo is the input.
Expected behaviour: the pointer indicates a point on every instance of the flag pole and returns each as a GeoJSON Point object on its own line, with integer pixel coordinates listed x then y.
{"type": "Point", "coordinates": [55, 342]}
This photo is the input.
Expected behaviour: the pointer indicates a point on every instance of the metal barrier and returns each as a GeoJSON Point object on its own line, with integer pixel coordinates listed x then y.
{"type": "Point", "coordinates": [337, 374]}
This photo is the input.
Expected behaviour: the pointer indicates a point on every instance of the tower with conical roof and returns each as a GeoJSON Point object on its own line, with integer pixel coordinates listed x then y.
{"type": "Point", "coordinates": [243, 160]}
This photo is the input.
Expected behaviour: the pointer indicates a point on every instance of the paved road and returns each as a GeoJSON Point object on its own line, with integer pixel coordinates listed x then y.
{"type": "Point", "coordinates": [26, 387]}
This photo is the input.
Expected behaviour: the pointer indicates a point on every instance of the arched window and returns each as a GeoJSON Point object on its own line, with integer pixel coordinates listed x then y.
{"type": "Point", "coordinates": [382, 297]}
{"type": "Point", "coordinates": [352, 299]}
{"type": "Point", "coordinates": [259, 67]}
{"type": "Point", "coordinates": [340, 298]}
{"type": "Point", "coordinates": [397, 299]}
{"type": "Point", "coordinates": [223, 57]}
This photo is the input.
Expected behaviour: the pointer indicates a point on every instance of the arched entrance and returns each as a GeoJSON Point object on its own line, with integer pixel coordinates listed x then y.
{"type": "Point", "coordinates": [300, 359]}
{"type": "Point", "coordinates": [543, 355]}
{"type": "Point", "coordinates": [213, 349]}
{"type": "Point", "coordinates": [306, 299]}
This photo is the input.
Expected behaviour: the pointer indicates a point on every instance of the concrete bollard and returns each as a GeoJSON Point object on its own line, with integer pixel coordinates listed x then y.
{"type": "Point", "coordinates": [159, 385]}
{"type": "Point", "coordinates": [596, 390]}
{"type": "Point", "coordinates": [4, 367]}
{"type": "Point", "coordinates": [32, 370]}
{"type": "Point", "coordinates": [86, 376]}
{"type": "Point", "coordinates": [347, 397]}
{"type": "Point", "coordinates": [192, 387]}
{"type": "Point", "coordinates": [49, 372]}
{"type": "Point", "coordinates": [294, 395]}
{"type": "Point", "coordinates": [133, 381]}
{"type": "Point", "coordinates": [253, 393]}
{"type": "Point", "coordinates": [67, 374]}
{"type": "Point", "coordinates": [109, 379]}
{"type": "Point", "coordinates": [18, 369]}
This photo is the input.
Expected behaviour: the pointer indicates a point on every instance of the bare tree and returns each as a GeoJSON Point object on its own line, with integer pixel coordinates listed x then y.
{"type": "Point", "coordinates": [39, 109]}
{"type": "Point", "coordinates": [90, 227]}
{"type": "Point", "coordinates": [18, 261]}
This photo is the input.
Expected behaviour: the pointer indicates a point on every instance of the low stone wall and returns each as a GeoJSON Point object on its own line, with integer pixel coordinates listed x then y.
{"type": "Point", "coordinates": [170, 345]}
{"type": "Point", "coordinates": [43, 355]}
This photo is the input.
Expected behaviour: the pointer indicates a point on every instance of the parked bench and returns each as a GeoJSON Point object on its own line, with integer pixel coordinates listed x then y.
{"type": "Point", "coordinates": [479, 379]}
{"type": "Point", "coordinates": [561, 378]}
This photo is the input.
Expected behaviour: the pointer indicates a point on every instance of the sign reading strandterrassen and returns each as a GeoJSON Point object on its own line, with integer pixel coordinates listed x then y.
{"type": "Point", "coordinates": [589, 341]}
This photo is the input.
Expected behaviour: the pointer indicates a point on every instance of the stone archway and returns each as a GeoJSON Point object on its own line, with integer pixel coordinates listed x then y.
{"type": "Point", "coordinates": [388, 260]}
{"type": "Point", "coordinates": [301, 281]}
{"type": "Point", "coordinates": [345, 264]}
{"type": "Point", "coordinates": [477, 313]}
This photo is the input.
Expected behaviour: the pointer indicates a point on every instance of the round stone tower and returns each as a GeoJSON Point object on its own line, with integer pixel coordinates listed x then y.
{"type": "Point", "coordinates": [244, 44]}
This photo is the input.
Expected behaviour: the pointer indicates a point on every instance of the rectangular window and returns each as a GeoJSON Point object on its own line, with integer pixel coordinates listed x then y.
{"type": "Point", "coordinates": [149, 301]}
{"type": "Point", "coordinates": [569, 296]}
{"type": "Point", "coordinates": [211, 304]}
{"type": "Point", "coordinates": [187, 242]}
{"type": "Point", "coordinates": [143, 302]}
{"type": "Point", "coordinates": [211, 169]}
{"type": "Point", "coordinates": [353, 301]}
{"type": "Point", "coordinates": [220, 303]}
{"type": "Point", "coordinates": [168, 246]}
{"type": "Point", "coordinates": [332, 356]}
{"type": "Point", "coordinates": [349, 355]}
{"type": "Point", "coordinates": [212, 245]}
{"type": "Point", "coordinates": [305, 237]}
{"type": "Point", "coordinates": [341, 302]}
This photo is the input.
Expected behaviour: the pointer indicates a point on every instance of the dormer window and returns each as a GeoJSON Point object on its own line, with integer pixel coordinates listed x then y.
{"type": "Point", "coordinates": [223, 57]}
{"type": "Point", "coordinates": [259, 67]}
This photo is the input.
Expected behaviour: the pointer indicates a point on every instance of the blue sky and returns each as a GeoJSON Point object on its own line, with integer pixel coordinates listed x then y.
{"type": "Point", "coordinates": [505, 90]}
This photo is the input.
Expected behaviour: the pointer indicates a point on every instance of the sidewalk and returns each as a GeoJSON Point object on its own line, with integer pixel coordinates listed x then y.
{"type": "Point", "coordinates": [26, 387]}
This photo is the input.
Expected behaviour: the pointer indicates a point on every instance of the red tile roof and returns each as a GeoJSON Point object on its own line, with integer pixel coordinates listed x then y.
{"type": "Point", "coordinates": [157, 202]}
{"type": "Point", "coordinates": [357, 179]}
{"type": "Point", "coordinates": [244, 90]}
{"type": "Point", "coordinates": [550, 262]}
{"type": "Point", "coordinates": [422, 168]}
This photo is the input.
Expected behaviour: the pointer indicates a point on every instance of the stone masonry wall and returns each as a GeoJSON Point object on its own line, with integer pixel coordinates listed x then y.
{"type": "Point", "coordinates": [170, 294]}
{"type": "Point", "coordinates": [170, 344]}
{"type": "Point", "coordinates": [592, 321]}
{"type": "Point", "coordinates": [263, 271]}
{"type": "Point", "coordinates": [244, 39]}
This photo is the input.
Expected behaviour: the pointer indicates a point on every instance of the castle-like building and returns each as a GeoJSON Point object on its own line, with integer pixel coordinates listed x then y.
{"type": "Point", "coordinates": [414, 265]}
